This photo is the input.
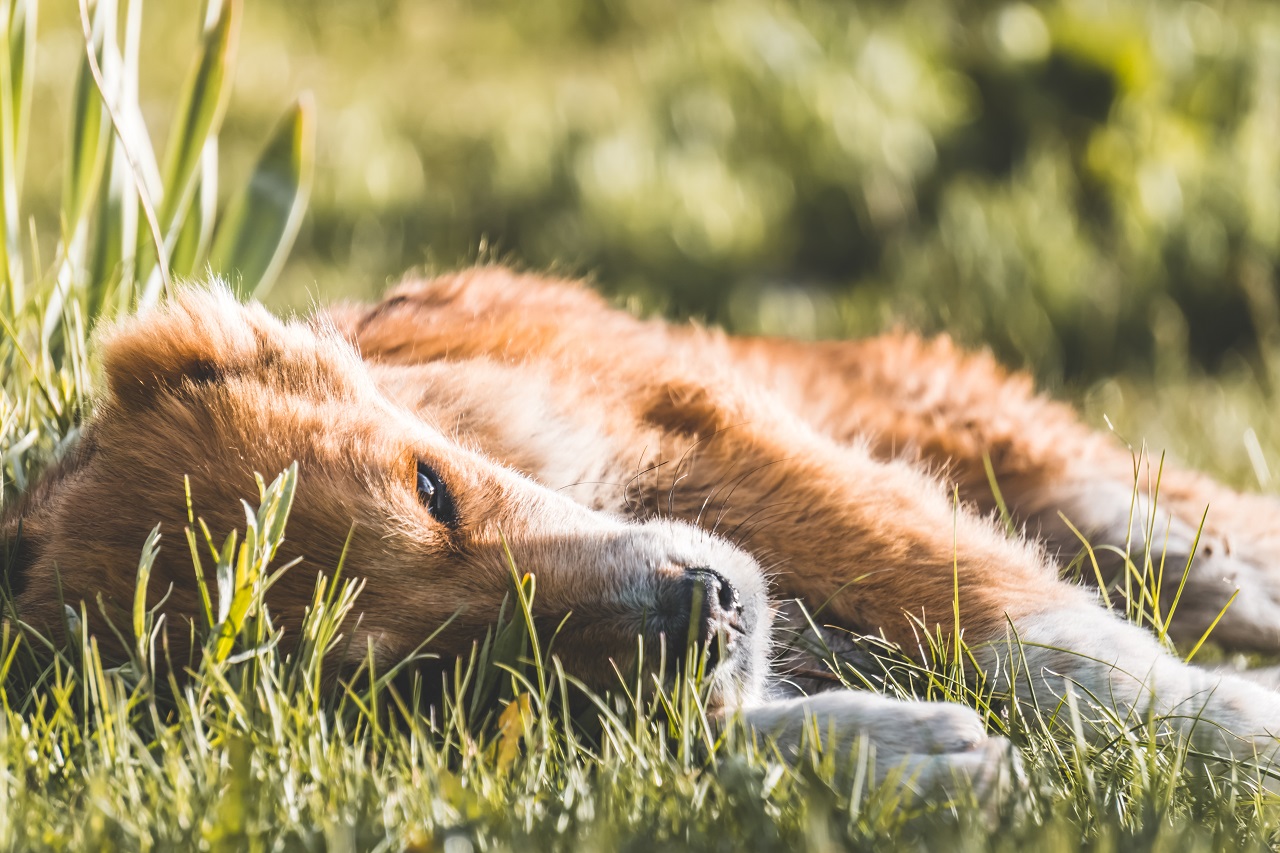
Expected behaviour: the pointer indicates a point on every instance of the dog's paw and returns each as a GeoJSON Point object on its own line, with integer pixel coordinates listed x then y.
{"type": "Point", "coordinates": [1203, 578]}
{"type": "Point", "coordinates": [941, 747]}
{"type": "Point", "coordinates": [1239, 588]}
{"type": "Point", "coordinates": [931, 747]}
{"type": "Point", "coordinates": [1237, 717]}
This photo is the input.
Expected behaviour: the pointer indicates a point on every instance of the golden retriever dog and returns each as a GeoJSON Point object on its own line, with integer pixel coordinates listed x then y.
{"type": "Point", "coordinates": [662, 482]}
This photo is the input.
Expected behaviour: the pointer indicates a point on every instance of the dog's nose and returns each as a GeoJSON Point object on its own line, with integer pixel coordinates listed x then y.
{"type": "Point", "coordinates": [702, 608]}
{"type": "Point", "coordinates": [720, 595]}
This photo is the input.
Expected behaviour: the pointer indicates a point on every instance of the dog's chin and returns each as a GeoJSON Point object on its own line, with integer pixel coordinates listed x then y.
{"type": "Point", "coordinates": [733, 687]}
{"type": "Point", "coordinates": [732, 675]}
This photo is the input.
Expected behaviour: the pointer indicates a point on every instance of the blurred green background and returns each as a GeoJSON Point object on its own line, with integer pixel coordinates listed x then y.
{"type": "Point", "coordinates": [1085, 186]}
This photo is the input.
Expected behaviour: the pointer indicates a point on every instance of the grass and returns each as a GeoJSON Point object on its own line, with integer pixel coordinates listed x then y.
{"type": "Point", "coordinates": [257, 744]}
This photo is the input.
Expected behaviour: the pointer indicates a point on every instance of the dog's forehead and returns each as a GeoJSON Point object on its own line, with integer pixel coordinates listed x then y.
{"type": "Point", "coordinates": [354, 427]}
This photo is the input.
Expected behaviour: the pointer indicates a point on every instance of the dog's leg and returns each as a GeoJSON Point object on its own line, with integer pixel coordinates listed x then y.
{"type": "Point", "coordinates": [973, 422]}
{"type": "Point", "coordinates": [928, 745]}
{"type": "Point", "coordinates": [874, 545]}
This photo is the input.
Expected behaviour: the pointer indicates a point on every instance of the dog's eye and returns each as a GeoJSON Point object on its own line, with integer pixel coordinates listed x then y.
{"type": "Point", "coordinates": [435, 497]}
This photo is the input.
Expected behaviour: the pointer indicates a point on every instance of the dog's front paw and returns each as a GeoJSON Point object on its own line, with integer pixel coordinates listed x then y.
{"type": "Point", "coordinates": [930, 746]}
{"type": "Point", "coordinates": [1233, 717]}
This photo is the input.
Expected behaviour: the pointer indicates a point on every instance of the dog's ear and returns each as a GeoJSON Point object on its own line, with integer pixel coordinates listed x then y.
{"type": "Point", "coordinates": [204, 336]}
{"type": "Point", "coordinates": [194, 338]}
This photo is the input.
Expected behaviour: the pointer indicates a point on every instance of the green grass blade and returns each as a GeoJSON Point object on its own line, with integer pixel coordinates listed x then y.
{"type": "Point", "coordinates": [199, 114]}
{"type": "Point", "coordinates": [135, 146]}
{"type": "Point", "coordinates": [89, 148]}
{"type": "Point", "coordinates": [22, 53]}
{"type": "Point", "coordinates": [13, 81]}
{"type": "Point", "coordinates": [88, 144]}
{"type": "Point", "coordinates": [191, 250]}
{"type": "Point", "coordinates": [1214, 624]}
{"type": "Point", "coordinates": [146, 562]}
{"type": "Point", "coordinates": [114, 236]}
{"type": "Point", "coordinates": [1006, 517]}
{"type": "Point", "coordinates": [260, 224]}
{"type": "Point", "coordinates": [109, 259]}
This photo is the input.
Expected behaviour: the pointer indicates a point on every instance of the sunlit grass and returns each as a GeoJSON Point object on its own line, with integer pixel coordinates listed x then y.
{"type": "Point", "coordinates": [260, 741]}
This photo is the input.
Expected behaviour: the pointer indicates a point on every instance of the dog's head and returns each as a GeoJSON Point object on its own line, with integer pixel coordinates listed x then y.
{"type": "Point", "coordinates": [211, 390]}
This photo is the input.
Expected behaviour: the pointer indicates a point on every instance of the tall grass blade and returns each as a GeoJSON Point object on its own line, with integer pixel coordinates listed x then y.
{"type": "Point", "coordinates": [197, 121]}
{"type": "Point", "coordinates": [87, 146]}
{"type": "Point", "coordinates": [89, 150]}
{"type": "Point", "coordinates": [260, 224]}
{"type": "Point", "coordinates": [114, 236]}
{"type": "Point", "coordinates": [191, 250]}
{"type": "Point", "coordinates": [16, 44]}
{"type": "Point", "coordinates": [199, 114]}
{"type": "Point", "coordinates": [22, 52]}
{"type": "Point", "coordinates": [204, 101]}
{"type": "Point", "coordinates": [135, 147]}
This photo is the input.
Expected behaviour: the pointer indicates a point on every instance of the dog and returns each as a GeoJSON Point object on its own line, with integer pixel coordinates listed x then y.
{"type": "Point", "coordinates": [667, 482]}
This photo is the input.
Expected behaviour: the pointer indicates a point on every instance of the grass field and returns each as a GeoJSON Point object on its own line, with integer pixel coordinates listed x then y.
{"type": "Point", "coordinates": [257, 749]}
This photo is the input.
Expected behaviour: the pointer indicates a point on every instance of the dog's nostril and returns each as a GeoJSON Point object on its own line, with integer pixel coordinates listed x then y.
{"type": "Point", "coordinates": [720, 595]}
{"type": "Point", "coordinates": [725, 593]}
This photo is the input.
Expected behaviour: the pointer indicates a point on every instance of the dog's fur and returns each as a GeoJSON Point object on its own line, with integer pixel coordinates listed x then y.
{"type": "Point", "coordinates": [619, 459]}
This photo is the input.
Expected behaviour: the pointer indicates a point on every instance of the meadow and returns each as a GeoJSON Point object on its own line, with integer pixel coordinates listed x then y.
{"type": "Point", "coordinates": [1087, 188]}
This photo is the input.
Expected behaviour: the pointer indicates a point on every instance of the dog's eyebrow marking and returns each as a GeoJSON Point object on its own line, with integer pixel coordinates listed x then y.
{"type": "Point", "coordinates": [383, 308]}
{"type": "Point", "coordinates": [203, 372]}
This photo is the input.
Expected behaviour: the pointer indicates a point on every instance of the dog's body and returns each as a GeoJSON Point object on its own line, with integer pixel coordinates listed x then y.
{"type": "Point", "coordinates": [832, 465]}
